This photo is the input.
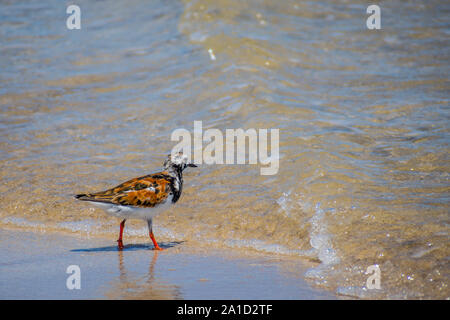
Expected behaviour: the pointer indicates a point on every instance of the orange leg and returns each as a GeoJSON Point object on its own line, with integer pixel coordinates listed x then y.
{"type": "Point", "coordinates": [119, 242]}
{"type": "Point", "coordinates": [150, 232]}
{"type": "Point", "coordinates": [154, 241]}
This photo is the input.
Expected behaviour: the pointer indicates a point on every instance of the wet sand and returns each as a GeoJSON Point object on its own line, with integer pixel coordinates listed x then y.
{"type": "Point", "coordinates": [33, 266]}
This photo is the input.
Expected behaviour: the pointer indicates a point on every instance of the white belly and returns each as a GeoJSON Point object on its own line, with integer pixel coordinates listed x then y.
{"type": "Point", "coordinates": [126, 212]}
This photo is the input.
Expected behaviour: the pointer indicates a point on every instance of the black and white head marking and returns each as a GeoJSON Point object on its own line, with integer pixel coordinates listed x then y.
{"type": "Point", "coordinates": [175, 164]}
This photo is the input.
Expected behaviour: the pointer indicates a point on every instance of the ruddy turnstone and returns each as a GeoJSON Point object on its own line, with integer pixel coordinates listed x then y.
{"type": "Point", "coordinates": [143, 197]}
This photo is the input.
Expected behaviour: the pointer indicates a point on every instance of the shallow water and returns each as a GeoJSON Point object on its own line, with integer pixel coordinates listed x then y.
{"type": "Point", "coordinates": [363, 118]}
{"type": "Point", "coordinates": [34, 266]}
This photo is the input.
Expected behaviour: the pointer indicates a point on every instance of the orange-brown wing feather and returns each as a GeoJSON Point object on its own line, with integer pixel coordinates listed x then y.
{"type": "Point", "coordinates": [147, 191]}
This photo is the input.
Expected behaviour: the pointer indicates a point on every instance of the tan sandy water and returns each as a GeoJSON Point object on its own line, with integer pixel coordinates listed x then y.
{"type": "Point", "coordinates": [363, 118]}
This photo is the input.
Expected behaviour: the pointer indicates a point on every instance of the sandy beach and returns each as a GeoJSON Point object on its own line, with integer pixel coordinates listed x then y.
{"type": "Point", "coordinates": [34, 265]}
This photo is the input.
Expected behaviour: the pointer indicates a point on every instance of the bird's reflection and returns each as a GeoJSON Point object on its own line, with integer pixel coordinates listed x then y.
{"type": "Point", "coordinates": [134, 285]}
{"type": "Point", "coordinates": [131, 282]}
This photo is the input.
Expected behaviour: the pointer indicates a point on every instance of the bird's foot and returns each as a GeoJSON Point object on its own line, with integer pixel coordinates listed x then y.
{"type": "Point", "coordinates": [158, 248]}
{"type": "Point", "coordinates": [120, 244]}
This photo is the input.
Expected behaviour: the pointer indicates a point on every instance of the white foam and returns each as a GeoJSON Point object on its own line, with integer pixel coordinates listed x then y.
{"type": "Point", "coordinates": [77, 226]}
{"type": "Point", "coordinates": [320, 239]}
{"type": "Point", "coordinates": [285, 203]}
{"type": "Point", "coordinates": [262, 246]}
{"type": "Point", "coordinates": [211, 54]}
{"type": "Point", "coordinates": [22, 222]}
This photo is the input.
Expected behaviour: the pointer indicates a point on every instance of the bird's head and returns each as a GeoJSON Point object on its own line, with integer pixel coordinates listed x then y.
{"type": "Point", "coordinates": [177, 162]}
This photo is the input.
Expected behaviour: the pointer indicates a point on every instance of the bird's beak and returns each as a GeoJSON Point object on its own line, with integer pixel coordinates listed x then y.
{"type": "Point", "coordinates": [192, 165]}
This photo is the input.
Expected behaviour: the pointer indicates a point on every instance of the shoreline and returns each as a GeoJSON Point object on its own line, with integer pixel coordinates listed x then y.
{"type": "Point", "coordinates": [34, 266]}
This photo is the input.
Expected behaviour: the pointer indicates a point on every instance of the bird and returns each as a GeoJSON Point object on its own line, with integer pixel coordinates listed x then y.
{"type": "Point", "coordinates": [143, 197]}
